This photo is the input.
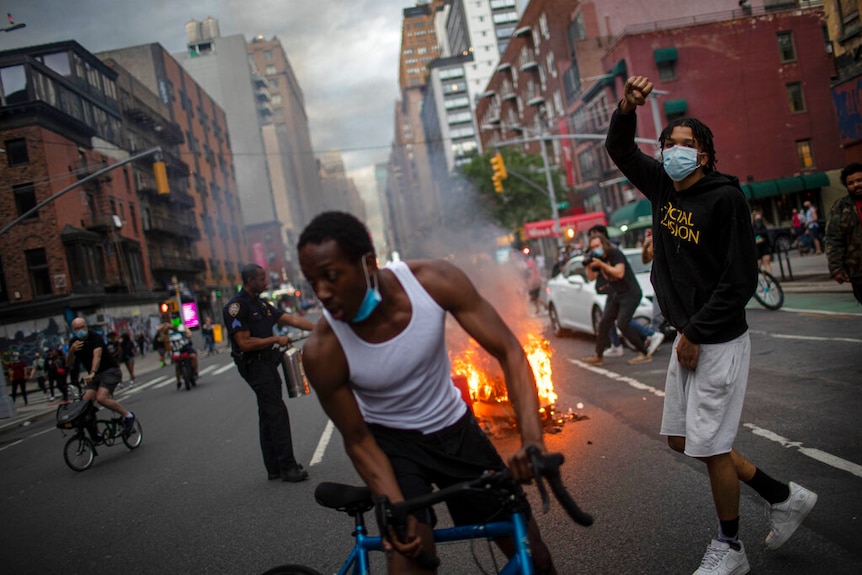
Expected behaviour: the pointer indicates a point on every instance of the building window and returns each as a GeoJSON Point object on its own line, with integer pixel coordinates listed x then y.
{"type": "Point", "coordinates": [785, 47]}
{"type": "Point", "coordinates": [806, 157]}
{"type": "Point", "coordinates": [4, 295]}
{"type": "Point", "coordinates": [25, 200]}
{"type": "Point", "coordinates": [270, 70]}
{"type": "Point", "coordinates": [16, 152]}
{"type": "Point", "coordinates": [795, 97]}
{"type": "Point", "coordinates": [14, 81]}
{"type": "Point", "coordinates": [37, 267]}
{"type": "Point", "coordinates": [133, 218]}
{"type": "Point", "coordinates": [666, 70]}
{"type": "Point", "coordinates": [267, 54]}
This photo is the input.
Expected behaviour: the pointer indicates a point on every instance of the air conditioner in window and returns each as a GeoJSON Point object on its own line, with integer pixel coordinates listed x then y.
{"type": "Point", "coordinates": [100, 318]}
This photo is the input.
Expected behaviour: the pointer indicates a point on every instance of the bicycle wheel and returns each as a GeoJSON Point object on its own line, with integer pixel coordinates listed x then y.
{"type": "Point", "coordinates": [79, 453]}
{"type": "Point", "coordinates": [134, 438]}
{"type": "Point", "coordinates": [106, 430]}
{"type": "Point", "coordinates": [769, 292]}
{"type": "Point", "coordinates": [292, 570]}
{"type": "Point", "coordinates": [186, 372]}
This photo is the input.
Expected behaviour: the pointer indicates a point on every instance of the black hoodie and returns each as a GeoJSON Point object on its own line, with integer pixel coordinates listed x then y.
{"type": "Point", "coordinates": [704, 264]}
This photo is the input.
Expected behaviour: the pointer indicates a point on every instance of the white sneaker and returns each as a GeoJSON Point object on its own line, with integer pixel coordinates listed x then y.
{"type": "Point", "coordinates": [653, 342]}
{"type": "Point", "coordinates": [722, 559]}
{"type": "Point", "coordinates": [789, 514]}
{"type": "Point", "coordinates": [613, 351]}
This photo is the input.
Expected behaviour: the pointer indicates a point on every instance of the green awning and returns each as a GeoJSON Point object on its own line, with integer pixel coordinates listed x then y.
{"type": "Point", "coordinates": [619, 69]}
{"type": "Point", "coordinates": [672, 107]}
{"type": "Point", "coordinates": [635, 212]}
{"type": "Point", "coordinates": [792, 185]}
{"type": "Point", "coordinates": [665, 55]}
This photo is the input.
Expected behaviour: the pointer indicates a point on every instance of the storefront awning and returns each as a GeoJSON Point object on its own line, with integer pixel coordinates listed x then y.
{"type": "Point", "coordinates": [792, 185]}
{"type": "Point", "coordinates": [579, 223]}
{"type": "Point", "coordinates": [672, 107]}
{"type": "Point", "coordinates": [665, 55]}
{"type": "Point", "coordinates": [635, 214]}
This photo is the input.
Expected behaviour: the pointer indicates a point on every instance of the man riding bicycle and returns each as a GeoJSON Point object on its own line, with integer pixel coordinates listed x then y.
{"type": "Point", "coordinates": [103, 372]}
{"type": "Point", "coordinates": [379, 365]}
{"type": "Point", "coordinates": [180, 342]}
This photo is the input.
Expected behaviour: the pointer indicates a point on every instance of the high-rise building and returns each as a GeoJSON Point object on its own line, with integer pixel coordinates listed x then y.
{"type": "Point", "coordinates": [206, 150]}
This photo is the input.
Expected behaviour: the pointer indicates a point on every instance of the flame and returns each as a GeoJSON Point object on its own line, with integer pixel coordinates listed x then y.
{"type": "Point", "coordinates": [477, 367]}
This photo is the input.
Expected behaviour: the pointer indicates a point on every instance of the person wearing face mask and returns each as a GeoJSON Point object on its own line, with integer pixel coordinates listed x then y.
{"type": "Point", "coordinates": [254, 348]}
{"type": "Point", "coordinates": [704, 272]}
{"type": "Point", "coordinates": [88, 349]}
{"type": "Point", "coordinates": [379, 366]}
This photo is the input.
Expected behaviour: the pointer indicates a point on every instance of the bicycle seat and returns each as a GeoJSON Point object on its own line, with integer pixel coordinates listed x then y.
{"type": "Point", "coordinates": [351, 499]}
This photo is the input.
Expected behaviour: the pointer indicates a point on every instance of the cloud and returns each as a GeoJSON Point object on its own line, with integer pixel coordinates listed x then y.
{"type": "Point", "coordinates": [344, 52]}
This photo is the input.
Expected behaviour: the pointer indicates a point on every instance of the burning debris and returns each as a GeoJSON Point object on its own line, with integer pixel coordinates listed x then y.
{"type": "Point", "coordinates": [483, 387]}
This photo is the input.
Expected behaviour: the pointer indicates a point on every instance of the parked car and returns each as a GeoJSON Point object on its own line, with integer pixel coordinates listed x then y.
{"type": "Point", "coordinates": [575, 305]}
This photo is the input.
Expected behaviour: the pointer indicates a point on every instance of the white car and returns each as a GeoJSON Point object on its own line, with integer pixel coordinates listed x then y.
{"type": "Point", "coordinates": [574, 304]}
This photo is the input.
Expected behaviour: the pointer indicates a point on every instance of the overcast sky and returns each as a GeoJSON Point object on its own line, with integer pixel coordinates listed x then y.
{"type": "Point", "coordinates": [345, 52]}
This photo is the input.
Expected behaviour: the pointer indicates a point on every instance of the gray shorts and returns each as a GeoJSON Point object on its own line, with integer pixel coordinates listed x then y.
{"type": "Point", "coordinates": [705, 405]}
{"type": "Point", "coordinates": [109, 379]}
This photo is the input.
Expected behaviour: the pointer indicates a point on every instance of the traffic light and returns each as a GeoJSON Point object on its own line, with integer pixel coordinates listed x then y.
{"type": "Point", "coordinates": [499, 172]}
{"type": "Point", "coordinates": [161, 173]}
{"type": "Point", "coordinates": [169, 306]}
{"type": "Point", "coordinates": [165, 307]}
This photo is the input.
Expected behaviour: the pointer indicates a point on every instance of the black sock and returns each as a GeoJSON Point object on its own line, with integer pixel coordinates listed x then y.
{"type": "Point", "coordinates": [728, 532]}
{"type": "Point", "coordinates": [770, 489]}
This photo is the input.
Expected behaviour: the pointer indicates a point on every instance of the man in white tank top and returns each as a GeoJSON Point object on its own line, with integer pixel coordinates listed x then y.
{"type": "Point", "coordinates": [379, 366]}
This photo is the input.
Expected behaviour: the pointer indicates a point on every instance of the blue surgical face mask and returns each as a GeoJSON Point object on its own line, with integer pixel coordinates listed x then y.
{"type": "Point", "coordinates": [81, 333]}
{"type": "Point", "coordinates": [599, 252]}
{"type": "Point", "coordinates": [679, 162]}
{"type": "Point", "coordinates": [371, 300]}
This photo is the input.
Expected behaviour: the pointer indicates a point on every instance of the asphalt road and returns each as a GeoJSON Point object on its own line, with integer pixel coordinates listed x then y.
{"type": "Point", "coordinates": [194, 497]}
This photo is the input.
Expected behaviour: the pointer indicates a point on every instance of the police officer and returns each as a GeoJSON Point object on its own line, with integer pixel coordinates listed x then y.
{"type": "Point", "coordinates": [250, 323]}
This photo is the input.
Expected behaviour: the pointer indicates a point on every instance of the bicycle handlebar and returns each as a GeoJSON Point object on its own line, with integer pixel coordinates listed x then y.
{"type": "Point", "coordinates": [545, 466]}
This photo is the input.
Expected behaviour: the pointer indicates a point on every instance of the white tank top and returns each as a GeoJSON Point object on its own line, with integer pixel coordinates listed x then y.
{"type": "Point", "coordinates": [404, 382]}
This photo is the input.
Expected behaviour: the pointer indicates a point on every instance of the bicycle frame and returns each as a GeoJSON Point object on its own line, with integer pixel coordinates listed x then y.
{"type": "Point", "coordinates": [516, 526]}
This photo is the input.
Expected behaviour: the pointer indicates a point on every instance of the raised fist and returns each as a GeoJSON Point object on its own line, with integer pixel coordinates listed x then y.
{"type": "Point", "coordinates": [635, 92]}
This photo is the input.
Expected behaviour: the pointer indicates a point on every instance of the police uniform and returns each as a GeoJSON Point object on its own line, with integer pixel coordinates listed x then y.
{"type": "Point", "coordinates": [259, 368]}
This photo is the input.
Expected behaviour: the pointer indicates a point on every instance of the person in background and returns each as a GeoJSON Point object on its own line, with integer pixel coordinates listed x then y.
{"type": "Point", "coordinates": [657, 320]}
{"type": "Point", "coordinates": [704, 276]}
{"type": "Point", "coordinates": [57, 373]}
{"type": "Point", "coordinates": [209, 336]}
{"type": "Point", "coordinates": [141, 341]}
{"type": "Point", "coordinates": [624, 294]}
{"type": "Point", "coordinates": [18, 376]}
{"type": "Point", "coordinates": [812, 226]}
{"type": "Point", "coordinates": [534, 284]}
{"type": "Point", "coordinates": [844, 232]}
{"type": "Point", "coordinates": [127, 355]}
{"type": "Point", "coordinates": [762, 243]}
{"type": "Point", "coordinates": [39, 372]}
{"type": "Point", "coordinates": [796, 224]}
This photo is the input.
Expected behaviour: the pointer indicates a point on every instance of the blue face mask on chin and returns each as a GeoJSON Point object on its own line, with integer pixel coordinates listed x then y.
{"type": "Point", "coordinates": [679, 162]}
{"type": "Point", "coordinates": [81, 333]}
{"type": "Point", "coordinates": [371, 300]}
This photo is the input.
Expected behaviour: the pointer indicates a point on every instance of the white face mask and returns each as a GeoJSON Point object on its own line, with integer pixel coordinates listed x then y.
{"type": "Point", "coordinates": [679, 162]}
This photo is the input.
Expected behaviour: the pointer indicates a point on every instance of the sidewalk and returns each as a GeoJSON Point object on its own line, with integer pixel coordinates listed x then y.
{"type": "Point", "coordinates": [810, 274]}
{"type": "Point", "coordinates": [40, 405]}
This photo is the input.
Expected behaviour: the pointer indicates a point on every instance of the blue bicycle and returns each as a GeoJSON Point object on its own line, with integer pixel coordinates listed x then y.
{"type": "Point", "coordinates": [356, 501]}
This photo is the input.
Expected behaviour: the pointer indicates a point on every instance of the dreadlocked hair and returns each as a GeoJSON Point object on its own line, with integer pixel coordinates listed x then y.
{"type": "Point", "coordinates": [702, 134]}
{"type": "Point", "coordinates": [349, 233]}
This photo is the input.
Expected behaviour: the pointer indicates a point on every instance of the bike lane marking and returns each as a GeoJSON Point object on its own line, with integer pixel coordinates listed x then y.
{"type": "Point", "coordinates": [321, 445]}
{"type": "Point", "coordinates": [812, 452]}
{"type": "Point", "coordinates": [807, 337]}
{"type": "Point", "coordinates": [223, 369]}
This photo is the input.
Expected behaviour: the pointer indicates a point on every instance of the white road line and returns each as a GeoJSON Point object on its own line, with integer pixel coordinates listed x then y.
{"type": "Point", "coordinates": [207, 369]}
{"type": "Point", "coordinates": [813, 453]}
{"type": "Point", "coordinates": [221, 370]}
{"type": "Point", "coordinates": [818, 311]}
{"type": "Point", "coordinates": [11, 444]}
{"type": "Point", "coordinates": [164, 384]}
{"type": "Point", "coordinates": [619, 377]}
{"type": "Point", "coordinates": [808, 337]}
{"type": "Point", "coordinates": [321, 445]}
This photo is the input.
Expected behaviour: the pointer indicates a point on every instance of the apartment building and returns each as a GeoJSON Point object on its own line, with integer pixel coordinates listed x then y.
{"type": "Point", "coordinates": [212, 183]}
{"type": "Point", "coordinates": [845, 36]}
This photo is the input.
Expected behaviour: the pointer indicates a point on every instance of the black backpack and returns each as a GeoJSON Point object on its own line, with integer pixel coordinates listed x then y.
{"type": "Point", "coordinates": [75, 414]}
